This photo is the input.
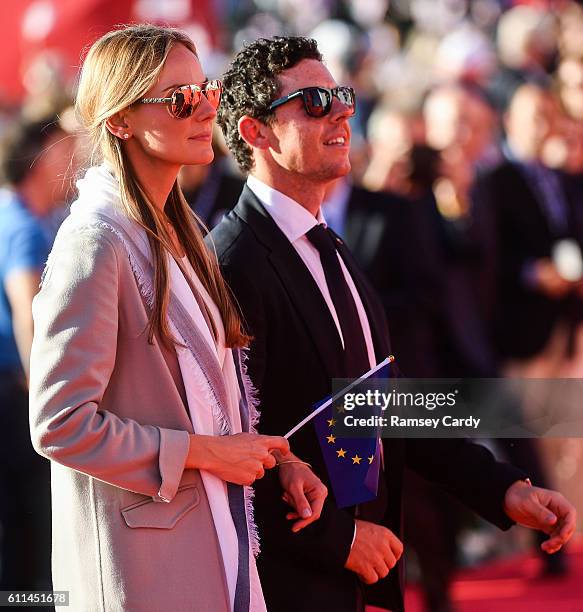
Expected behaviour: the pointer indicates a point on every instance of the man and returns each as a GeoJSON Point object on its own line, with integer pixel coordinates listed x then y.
{"type": "Point", "coordinates": [537, 309]}
{"type": "Point", "coordinates": [313, 317]}
{"type": "Point", "coordinates": [525, 211]}
{"type": "Point", "coordinates": [34, 158]}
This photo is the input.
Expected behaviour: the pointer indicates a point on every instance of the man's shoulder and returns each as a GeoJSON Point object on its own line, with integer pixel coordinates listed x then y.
{"type": "Point", "coordinates": [235, 242]}
{"type": "Point", "coordinates": [376, 198]}
{"type": "Point", "coordinates": [507, 188]}
{"type": "Point", "coordinates": [506, 171]}
{"type": "Point", "coordinates": [377, 203]}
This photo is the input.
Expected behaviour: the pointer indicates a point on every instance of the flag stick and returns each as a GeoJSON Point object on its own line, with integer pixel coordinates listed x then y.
{"type": "Point", "coordinates": [325, 405]}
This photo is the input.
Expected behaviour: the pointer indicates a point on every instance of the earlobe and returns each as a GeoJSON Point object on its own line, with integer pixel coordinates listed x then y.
{"type": "Point", "coordinates": [253, 132]}
{"type": "Point", "coordinates": [118, 126]}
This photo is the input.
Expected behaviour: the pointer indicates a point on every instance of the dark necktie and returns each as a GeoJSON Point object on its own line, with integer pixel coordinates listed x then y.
{"type": "Point", "coordinates": [355, 353]}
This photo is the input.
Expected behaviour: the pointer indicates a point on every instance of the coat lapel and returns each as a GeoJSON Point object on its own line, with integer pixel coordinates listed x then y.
{"type": "Point", "coordinates": [297, 280]}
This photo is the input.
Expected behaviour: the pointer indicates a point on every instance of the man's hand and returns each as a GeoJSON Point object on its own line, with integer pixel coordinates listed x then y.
{"type": "Point", "coordinates": [374, 553]}
{"type": "Point", "coordinates": [303, 491]}
{"type": "Point", "coordinates": [541, 509]}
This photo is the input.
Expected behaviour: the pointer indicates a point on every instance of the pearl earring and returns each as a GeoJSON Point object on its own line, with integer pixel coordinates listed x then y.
{"type": "Point", "coordinates": [126, 136]}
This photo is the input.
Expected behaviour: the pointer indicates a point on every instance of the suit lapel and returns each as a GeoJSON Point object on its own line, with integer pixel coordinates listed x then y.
{"type": "Point", "coordinates": [297, 280]}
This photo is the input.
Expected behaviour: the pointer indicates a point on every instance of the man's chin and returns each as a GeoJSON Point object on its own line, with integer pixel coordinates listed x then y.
{"type": "Point", "coordinates": [344, 170]}
{"type": "Point", "coordinates": [340, 170]}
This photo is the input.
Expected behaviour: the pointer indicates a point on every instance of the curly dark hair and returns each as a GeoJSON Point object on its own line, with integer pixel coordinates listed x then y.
{"type": "Point", "coordinates": [251, 85]}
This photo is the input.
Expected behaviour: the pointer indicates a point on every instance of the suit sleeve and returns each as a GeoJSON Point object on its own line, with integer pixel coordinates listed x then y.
{"type": "Point", "coordinates": [468, 471]}
{"type": "Point", "coordinates": [73, 357]}
{"type": "Point", "coordinates": [327, 542]}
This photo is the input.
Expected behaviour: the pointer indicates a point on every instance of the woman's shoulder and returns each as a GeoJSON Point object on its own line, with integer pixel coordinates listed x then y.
{"type": "Point", "coordinates": [85, 249]}
{"type": "Point", "coordinates": [86, 235]}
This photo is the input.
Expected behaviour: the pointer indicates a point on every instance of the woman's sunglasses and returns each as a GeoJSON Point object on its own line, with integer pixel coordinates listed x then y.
{"type": "Point", "coordinates": [318, 100]}
{"type": "Point", "coordinates": [186, 98]}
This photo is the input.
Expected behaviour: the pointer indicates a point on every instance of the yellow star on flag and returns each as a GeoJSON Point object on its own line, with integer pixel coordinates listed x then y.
{"type": "Point", "coordinates": [331, 439]}
{"type": "Point", "coordinates": [356, 459]}
{"type": "Point", "coordinates": [331, 422]}
{"type": "Point", "coordinates": [370, 459]}
{"type": "Point", "coordinates": [341, 453]}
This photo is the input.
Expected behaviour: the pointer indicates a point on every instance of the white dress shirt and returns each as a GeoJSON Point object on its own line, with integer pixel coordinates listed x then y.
{"type": "Point", "coordinates": [295, 221]}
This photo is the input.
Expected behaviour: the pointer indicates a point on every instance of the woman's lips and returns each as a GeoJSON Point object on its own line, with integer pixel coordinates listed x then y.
{"type": "Point", "coordinates": [206, 137]}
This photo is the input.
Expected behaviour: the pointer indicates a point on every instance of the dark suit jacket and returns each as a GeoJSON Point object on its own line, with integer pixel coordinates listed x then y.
{"type": "Point", "coordinates": [217, 195]}
{"type": "Point", "coordinates": [421, 268]}
{"type": "Point", "coordinates": [522, 318]}
{"type": "Point", "coordinates": [294, 355]}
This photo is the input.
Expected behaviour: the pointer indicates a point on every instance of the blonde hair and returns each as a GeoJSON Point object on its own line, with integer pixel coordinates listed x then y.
{"type": "Point", "coordinates": [118, 69]}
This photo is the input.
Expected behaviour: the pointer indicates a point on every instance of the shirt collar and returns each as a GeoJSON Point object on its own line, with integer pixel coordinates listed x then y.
{"type": "Point", "coordinates": [291, 218]}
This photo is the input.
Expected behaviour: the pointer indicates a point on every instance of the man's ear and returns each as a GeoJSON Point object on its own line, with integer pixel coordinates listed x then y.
{"type": "Point", "coordinates": [118, 126]}
{"type": "Point", "coordinates": [254, 132]}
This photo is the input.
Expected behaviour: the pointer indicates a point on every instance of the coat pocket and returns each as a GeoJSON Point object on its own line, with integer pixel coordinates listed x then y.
{"type": "Point", "coordinates": [156, 515]}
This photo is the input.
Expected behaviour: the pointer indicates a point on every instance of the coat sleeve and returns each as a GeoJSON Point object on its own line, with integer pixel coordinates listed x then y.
{"type": "Point", "coordinates": [73, 357]}
{"type": "Point", "coordinates": [468, 471]}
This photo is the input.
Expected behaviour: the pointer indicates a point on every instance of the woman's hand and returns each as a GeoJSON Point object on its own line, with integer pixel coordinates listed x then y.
{"type": "Point", "coordinates": [241, 458]}
{"type": "Point", "coordinates": [303, 491]}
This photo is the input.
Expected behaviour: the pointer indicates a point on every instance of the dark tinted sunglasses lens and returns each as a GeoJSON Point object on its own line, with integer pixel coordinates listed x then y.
{"type": "Point", "coordinates": [184, 101]}
{"type": "Point", "coordinates": [213, 92]}
{"type": "Point", "coordinates": [316, 101]}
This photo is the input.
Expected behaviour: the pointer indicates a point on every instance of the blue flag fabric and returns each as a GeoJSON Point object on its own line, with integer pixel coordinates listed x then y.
{"type": "Point", "coordinates": [353, 464]}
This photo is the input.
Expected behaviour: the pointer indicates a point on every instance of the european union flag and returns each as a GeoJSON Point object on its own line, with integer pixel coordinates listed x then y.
{"type": "Point", "coordinates": [353, 464]}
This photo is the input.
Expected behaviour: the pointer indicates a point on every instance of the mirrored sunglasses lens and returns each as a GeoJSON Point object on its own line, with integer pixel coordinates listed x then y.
{"type": "Point", "coordinates": [317, 101]}
{"type": "Point", "coordinates": [184, 101]}
{"type": "Point", "coordinates": [213, 92]}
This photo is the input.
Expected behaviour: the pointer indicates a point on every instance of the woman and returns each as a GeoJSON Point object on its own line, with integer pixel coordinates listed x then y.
{"type": "Point", "coordinates": [135, 370]}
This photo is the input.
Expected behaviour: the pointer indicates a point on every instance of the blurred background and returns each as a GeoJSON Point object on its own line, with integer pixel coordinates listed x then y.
{"type": "Point", "coordinates": [465, 208]}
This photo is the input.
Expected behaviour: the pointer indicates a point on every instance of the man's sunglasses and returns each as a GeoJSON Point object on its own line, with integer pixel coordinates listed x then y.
{"type": "Point", "coordinates": [186, 98]}
{"type": "Point", "coordinates": [318, 100]}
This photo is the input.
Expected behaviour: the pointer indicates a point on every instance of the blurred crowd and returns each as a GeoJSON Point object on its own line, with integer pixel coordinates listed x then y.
{"type": "Point", "coordinates": [464, 206]}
